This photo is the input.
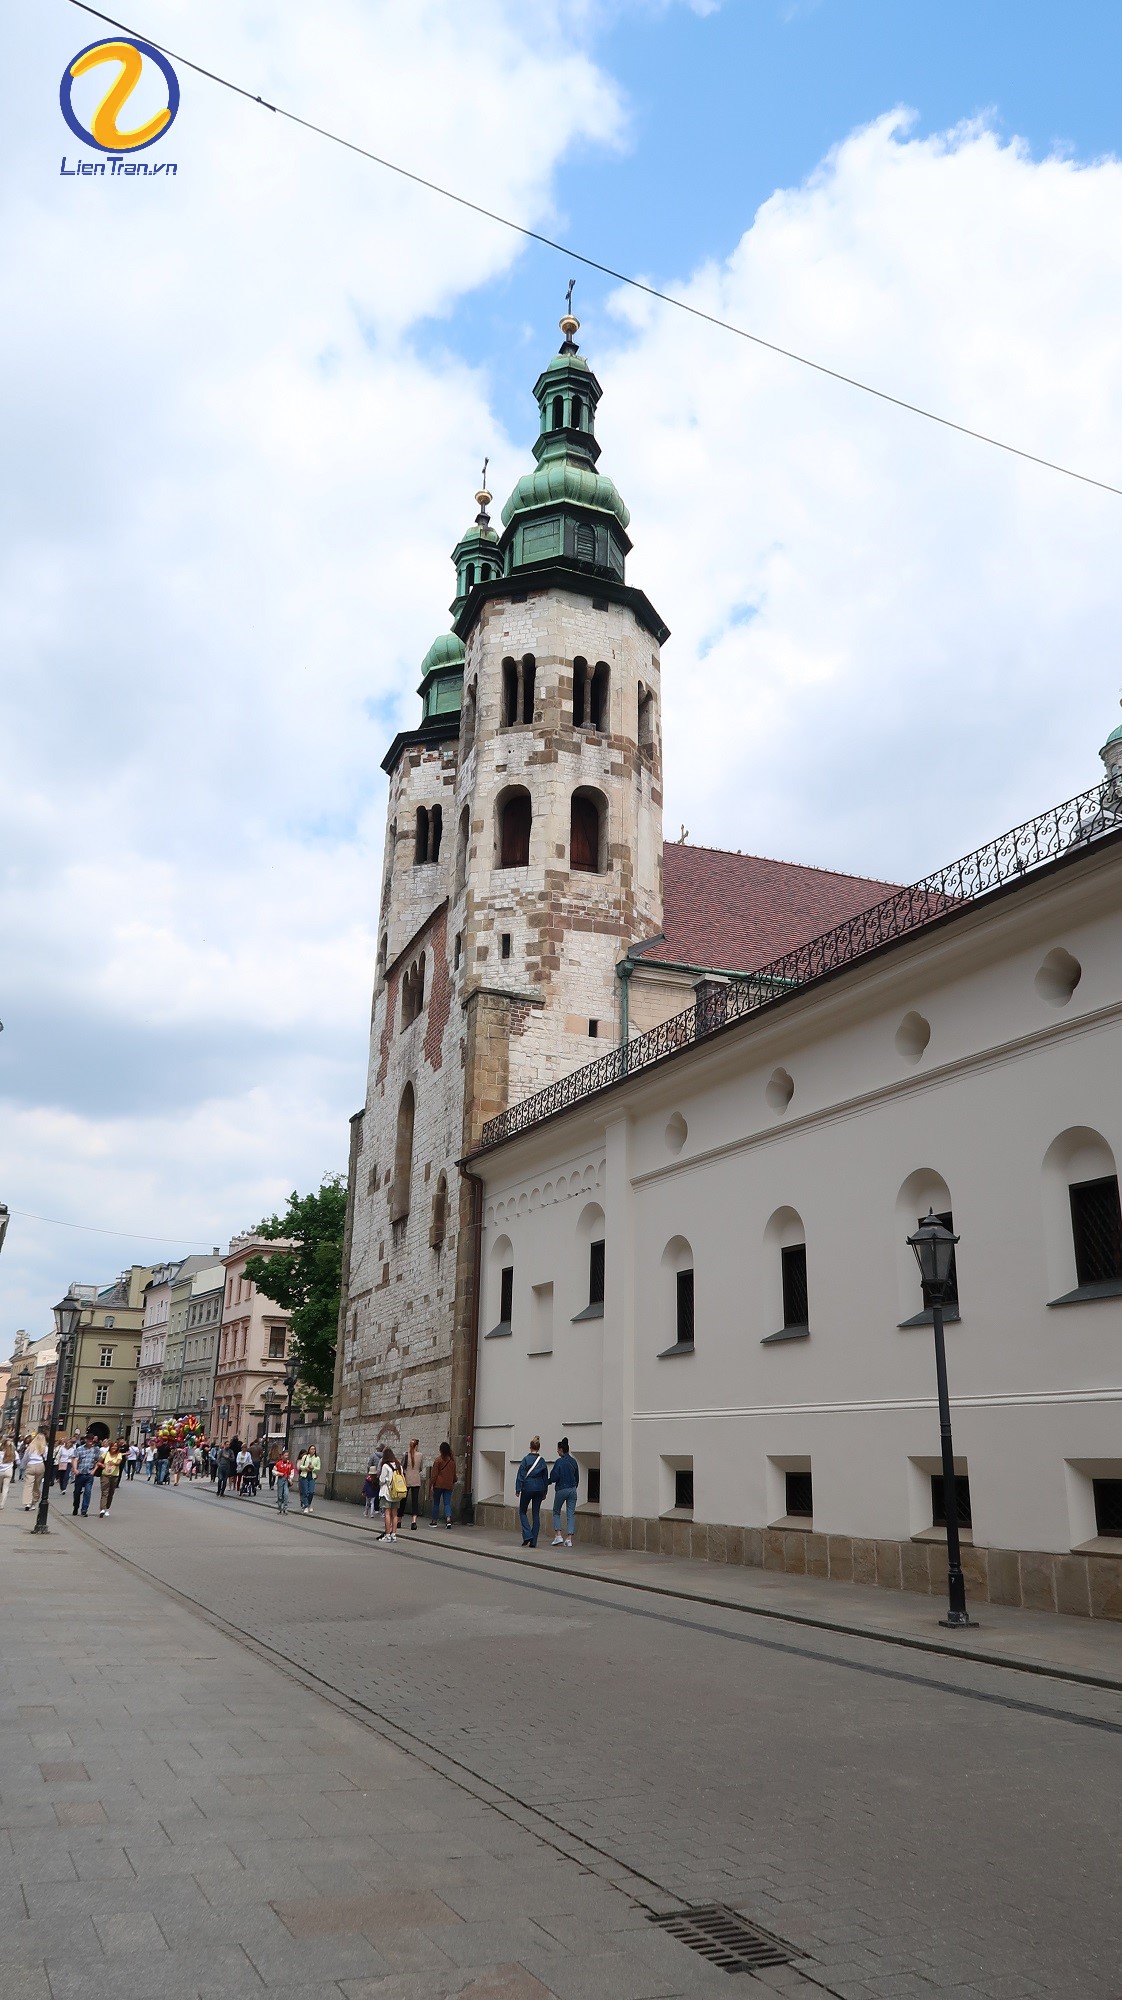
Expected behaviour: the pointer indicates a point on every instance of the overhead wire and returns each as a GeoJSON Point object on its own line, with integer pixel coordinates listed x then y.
{"type": "Point", "coordinates": [607, 270]}
{"type": "Point", "coordinates": [126, 1235]}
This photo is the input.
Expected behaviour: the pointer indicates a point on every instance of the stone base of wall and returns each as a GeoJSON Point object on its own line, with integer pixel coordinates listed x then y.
{"type": "Point", "coordinates": [1081, 1586]}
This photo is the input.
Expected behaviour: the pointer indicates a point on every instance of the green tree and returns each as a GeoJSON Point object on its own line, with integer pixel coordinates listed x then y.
{"type": "Point", "coordinates": [305, 1279]}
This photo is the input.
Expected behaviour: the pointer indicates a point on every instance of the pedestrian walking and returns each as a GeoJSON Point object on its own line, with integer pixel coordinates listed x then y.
{"type": "Point", "coordinates": [32, 1466]}
{"type": "Point", "coordinates": [212, 1456]}
{"type": "Point", "coordinates": [243, 1469]}
{"type": "Point", "coordinates": [531, 1486]}
{"type": "Point", "coordinates": [442, 1480]}
{"type": "Point", "coordinates": [7, 1466]}
{"type": "Point", "coordinates": [86, 1460]}
{"type": "Point", "coordinates": [308, 1468]}
{"type": "Point", "coordinates": [64, 1453]}
{"type": "Point", "coordinates": [149, 1461]}
{"type": "Point", "coordinates": [109, 1472]}
{"type": "Point", "coordinates": [285, 1472]}
{"type": "Point", "coordinates": [132, 1460]}
{"type": "Point", "coordinates": [226, 1462]}
{"type": "Point", "coordinates": [163, 1460]}
{"type": "Point", "coordinates": [413, 1466]}
{"type": "Point", "coordinates": [370, 1487]}
{"type": "Point", "coordinates": [565, 1481]}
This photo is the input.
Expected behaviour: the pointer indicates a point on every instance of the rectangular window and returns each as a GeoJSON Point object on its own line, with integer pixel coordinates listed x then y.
{"type": "Point", "coordinates": [101, 1395]}
{"type": "Point", "coordinates": [506, 1294]}
{"type": "Point", "coordinates": [276, 1343]}
{"type": "Point", "coordinates": [795, 1307]}
{"type": "Point", "coordinates": [1108, 1506]}
{"type": "Point", "coordinates": [593, 1485]}
{"type": "Point", "coordinates": [1096, 1227]}
{"type": "Point", "coordinates": [685, 1309]}
{"type": "Point", "coordinates": [683, 1479]}
{"type": "Point", "coordinates": [596, 1274]}
{"type": "Point", "coordinates": [504, 944]}
{"type": "Point", "coordinates": [961, 1501]}
{"type": "Point", "coordinates": [799, 1497]}
{"type": "Point", "coordinates": [594, 1030]}
{"type": "Point", "coordinates": [106, 1360]}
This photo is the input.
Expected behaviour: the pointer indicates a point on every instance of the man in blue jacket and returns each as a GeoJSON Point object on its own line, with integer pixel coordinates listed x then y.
{"type": "Point", "coordinates": [531, 1486]}
{"type": "Point", "coordinates": [564, 1479]}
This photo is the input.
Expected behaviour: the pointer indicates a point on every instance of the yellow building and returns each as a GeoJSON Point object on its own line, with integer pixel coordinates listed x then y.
{"type": "Point", "coordinates": [103, 1370]}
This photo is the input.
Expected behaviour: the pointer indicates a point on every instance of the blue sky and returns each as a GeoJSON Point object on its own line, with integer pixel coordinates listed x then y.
{"type": "Point", "coordinates": [726, 106]}
{"type": "Point", "coordinates": [252, 407]}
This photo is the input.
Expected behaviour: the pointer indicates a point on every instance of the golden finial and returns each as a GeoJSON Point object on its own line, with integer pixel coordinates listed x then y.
{"type": "Point", "coordinates": [568, 322]}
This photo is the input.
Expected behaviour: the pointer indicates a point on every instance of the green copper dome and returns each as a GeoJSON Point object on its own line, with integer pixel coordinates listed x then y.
{"type": "Point", "coordinates": [1114, 737]}
{"type": "Point", "coordinates": [447, 651]}
{"type": "Point", "coordinates": [562, 479]}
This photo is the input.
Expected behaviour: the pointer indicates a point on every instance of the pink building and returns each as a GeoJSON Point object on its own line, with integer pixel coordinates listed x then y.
{"type": "Point", "coordinates": [251, 1350]}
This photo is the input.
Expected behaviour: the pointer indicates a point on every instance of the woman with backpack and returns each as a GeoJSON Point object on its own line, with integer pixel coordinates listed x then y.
{"type": "Point", "coordinates": [392, 1490]}
{"type": "Point", "coordinates": [531, 1486]}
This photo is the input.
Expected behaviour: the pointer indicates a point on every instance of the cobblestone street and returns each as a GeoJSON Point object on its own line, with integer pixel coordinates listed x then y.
{"type": "Point", "coordinates": [245, 1755]}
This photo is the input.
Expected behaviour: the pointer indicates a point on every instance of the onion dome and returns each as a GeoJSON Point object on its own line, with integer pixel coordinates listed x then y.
{"type": "Point", "coordinates": [477, 555]}
{"type": "Point", "coordinates": [565, 511]}
{"type": "Point", "coordinates": [442, 677]}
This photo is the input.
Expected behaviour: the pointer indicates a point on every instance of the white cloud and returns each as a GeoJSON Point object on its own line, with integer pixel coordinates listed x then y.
{"type": "Point", "coordinates": [889, 641]}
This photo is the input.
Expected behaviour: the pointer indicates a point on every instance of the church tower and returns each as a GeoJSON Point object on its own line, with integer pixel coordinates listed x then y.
{"type": "Point", "coordinates": [523, 858]}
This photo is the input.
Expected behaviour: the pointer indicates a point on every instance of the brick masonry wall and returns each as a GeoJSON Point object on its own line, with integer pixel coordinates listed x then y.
{"type": "Point", "coordinates": [1080, 1586]}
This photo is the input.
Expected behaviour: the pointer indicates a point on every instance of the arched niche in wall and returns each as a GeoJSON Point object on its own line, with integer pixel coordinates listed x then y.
{"type": "Point", "coordinates": [782, 1291]}
{"type": "Point", "coordinates": [403, 1156]}
{"type": "Point", "coordinates": [498, 1305]}
{"type": "Point", "coordinates": [588, 831]}
{"type": "Point", "coordinates": [514, 818]}
{"type": "Point", "coordinates": [591, 1252]}
{"type": "Point", "coordinates": [924, 1189]}
{"type": "Point", "coordinates": [1078, 1159]}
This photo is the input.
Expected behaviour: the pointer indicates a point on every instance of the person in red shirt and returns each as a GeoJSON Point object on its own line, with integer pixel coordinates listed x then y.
{"type": "Point", "coordinates": [285, 1470]}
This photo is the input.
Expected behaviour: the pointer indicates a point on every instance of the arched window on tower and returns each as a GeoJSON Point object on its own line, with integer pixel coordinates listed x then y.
{"type": "Point", "coordinates": [436, 829]}
{"type": "Point", "coordinates": [558, 413]}
{"type": "Point", "coordinates": [383, 950]}
{"type": "Point", "coordinates": [586, 824]}
{"type": "Point", "coordinates": [439, 1227]}
{"type": "Point", "coordinates": [578, 413]}
{"type": "Point", "coordinates": [470, 576]}
{"type": "Point", "coordinates": [598, 698]}
{"type": "Point", "coordinates": [580, 692]}
{"type": "Point", "coordinates": [510, 694]}
{"type": "Point", "coordinates": [469, 718]}
{"type": "Point", "coordinates": [403, 1156]}
{"type": "Point", "coordinates": [515, 821]}
{"type": "Point", "coordinates": [421, 841]}
{"type": "Point", "coordinates": [646, 719]}
{"type": "Point", "coordinates": [462, 833]}
{"type": "Point", "coordinates": [529, 674]}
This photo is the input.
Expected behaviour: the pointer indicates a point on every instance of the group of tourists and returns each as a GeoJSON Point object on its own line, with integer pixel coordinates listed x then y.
{"type": "Point", "coordinates": [532, 1482]}
{"type": "Point", "coordinates": [393, 1487]}
{"type": "Point", "coordinates": [82, 1458]}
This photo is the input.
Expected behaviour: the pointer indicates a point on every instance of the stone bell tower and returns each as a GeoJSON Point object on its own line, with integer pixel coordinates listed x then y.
{"type": "Point", "coordinates": [523, 858]}
{"type": "Point", "coordinates": [559, 787]}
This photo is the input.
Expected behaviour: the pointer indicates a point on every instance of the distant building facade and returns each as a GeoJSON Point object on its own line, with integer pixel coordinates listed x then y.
{"type": "Point", "coordinates": [105, 1364]}
{"type": "Point", "coordinates": [153, 1340]}
{"type": "Point", "coordinates": [253, 1342]}
{"type": "Point", "coordinates": [194, 1312]}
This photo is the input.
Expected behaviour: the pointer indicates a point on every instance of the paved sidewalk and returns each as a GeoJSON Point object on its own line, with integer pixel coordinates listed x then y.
{"type": "Point", "coordinates": [183, 1820]}
{"type": "Point", "coordinates": [1051, 1644]}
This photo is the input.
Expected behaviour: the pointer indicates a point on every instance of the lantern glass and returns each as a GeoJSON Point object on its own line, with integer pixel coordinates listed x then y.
{"type": "Point", "coordinates": [933, 1245]}
{"type": "Point", "coordinates": [67, 1313]}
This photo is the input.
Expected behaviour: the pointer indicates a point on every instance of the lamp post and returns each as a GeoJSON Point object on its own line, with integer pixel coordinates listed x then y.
{"type": "Point", "coordinates": [933, 1246]}
{"type": "Point", "coordinates": [271, 1401]}
{"type": "Point", "coordinates": [291, 1372]}
{"type": "Point", "coordinates": [66, 1314]}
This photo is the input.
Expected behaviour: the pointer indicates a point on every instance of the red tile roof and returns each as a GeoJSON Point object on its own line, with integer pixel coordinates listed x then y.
{"type": "Point", "coordinates": [736, 912]}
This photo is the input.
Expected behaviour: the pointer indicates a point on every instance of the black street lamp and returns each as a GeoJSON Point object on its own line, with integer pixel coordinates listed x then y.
{"type": "Point", "coordinates": [934, 1253]}
{"type": "Point", "coordinates": [291, 1374]}
{"type": "Point", "coordinates": [67, 1314]}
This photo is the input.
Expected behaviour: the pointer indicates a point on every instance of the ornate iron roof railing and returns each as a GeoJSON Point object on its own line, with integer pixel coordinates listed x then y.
{"type": "Point", "coordinates": [1007, 859]}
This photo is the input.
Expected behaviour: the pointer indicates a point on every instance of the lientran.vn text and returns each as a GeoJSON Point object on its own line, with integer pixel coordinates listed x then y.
{"type": "Point", "coordinates": [119, 167]}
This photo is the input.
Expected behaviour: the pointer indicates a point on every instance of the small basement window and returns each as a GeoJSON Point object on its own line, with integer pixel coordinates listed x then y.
{"type": "Point", "coordinates": [961, 1501]}
{"type": "Point", "coordinates": [593, 1485]}
{"type": "Point", "coordinates": [1108, 1506]}
{"type": "Point", "coordinates": [799, 1496]}
{"type": "Point", "coordinates": [683, 1482]}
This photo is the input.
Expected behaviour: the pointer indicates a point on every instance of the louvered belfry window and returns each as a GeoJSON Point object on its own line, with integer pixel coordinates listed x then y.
{"type": "Point", "coordinates": [514, 844]}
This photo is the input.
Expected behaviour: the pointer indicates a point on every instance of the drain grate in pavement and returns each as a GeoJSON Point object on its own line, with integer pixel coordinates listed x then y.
{"type": "Point", "coordinates": [725, 1938]}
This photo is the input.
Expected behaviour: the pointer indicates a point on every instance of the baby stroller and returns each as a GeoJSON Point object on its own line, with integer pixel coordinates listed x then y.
{"type": "Point", "coordinates": [250, 1480]}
